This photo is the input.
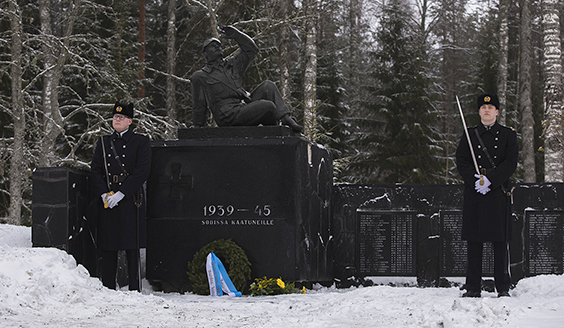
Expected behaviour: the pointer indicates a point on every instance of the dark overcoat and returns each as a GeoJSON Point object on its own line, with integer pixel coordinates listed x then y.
{"type": "Point", "coordinates": [117, 227]}
{"type": "Point", "coordinates": [486, 217]}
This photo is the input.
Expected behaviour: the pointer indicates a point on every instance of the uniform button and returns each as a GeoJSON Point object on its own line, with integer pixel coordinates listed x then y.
{"type": "Point", "coordinates": [496, 138]}
{"type": "Point", "coordinates": [122, 164]}
{"type": "Point", "coordinates": [479, 146]}
{"type": "Point", "coordinates": [123, 155]}
{"type": "Point", "coordinates": [108, 164]}
{"type": "Point", "coordinates": [109, 155]}
{"type": "Point", "coordinates": [123, 146]}
{"type": "Point", "coordinates": [479, 156]}
{"type": "Point", "coordinates": [495, 156]}
{"type": "Point", "coordinates": [495, 146]}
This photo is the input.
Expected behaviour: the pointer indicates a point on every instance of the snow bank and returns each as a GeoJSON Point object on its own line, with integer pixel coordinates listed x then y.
{"type": "Point", "coordinates": [44, 287]}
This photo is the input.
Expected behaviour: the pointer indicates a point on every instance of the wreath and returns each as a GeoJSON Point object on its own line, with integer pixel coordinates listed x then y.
{"type": "Point", "coordinates": [231, 255]}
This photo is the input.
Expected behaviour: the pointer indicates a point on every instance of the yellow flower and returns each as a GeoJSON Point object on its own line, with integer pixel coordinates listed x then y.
{"type": "Point", "coordinates": [280, 283]}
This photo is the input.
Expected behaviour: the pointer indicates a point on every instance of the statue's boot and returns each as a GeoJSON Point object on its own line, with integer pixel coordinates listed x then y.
{"type": "Point", "coordinates": [289, 121]}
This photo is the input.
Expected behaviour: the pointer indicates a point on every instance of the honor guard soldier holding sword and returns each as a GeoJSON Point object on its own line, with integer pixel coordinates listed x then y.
{"type": "Point", "coordinates": [120, 167]}
{"type": "Point", "coordinates": [486, 158]}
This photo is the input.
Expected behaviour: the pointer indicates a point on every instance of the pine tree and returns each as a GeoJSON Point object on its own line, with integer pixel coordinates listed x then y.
{"type": "Point", "coordinates": [332, 109]}
{"type": "Point", "coordinates": [455, 33]}
{"type": "Point", "coordinates": [404, 150]}
{"type": "Point", "coordinates": [487, 60]}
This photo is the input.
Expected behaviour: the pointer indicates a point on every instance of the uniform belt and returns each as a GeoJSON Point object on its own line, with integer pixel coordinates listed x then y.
{"type": "Point", "coordinates": [119, 178]}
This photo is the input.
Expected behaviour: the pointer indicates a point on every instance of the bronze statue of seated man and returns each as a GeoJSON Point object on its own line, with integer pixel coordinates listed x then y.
{"type": "Point", "coordinates": [218, 88]}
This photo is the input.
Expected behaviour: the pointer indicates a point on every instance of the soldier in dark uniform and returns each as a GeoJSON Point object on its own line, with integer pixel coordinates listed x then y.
{"type": "Point", "coordinates": [218, 87]}
{"type": "Point", "coordinates": [120, 167]}
{"type": "Point", "coordinates": [487, 197]}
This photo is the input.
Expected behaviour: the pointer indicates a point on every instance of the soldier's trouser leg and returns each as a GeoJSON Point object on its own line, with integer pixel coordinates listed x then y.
{"type": "Point", "coordinates": [109, 268]}
{"type": "Point", "coordinates": [133, 269]}
{"type": "Point", "coordinates": [502, 274]}
{"type": "Point", "coordinates": [267, 90]}
{"type": "Point", "coordinates": [474, 268]}
{"type": "Point", "coordinates": [255, 113]}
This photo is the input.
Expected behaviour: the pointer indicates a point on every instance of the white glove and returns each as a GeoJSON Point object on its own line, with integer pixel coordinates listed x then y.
{"type": "Point", "coordinates": [482, 188]}
{"type": "Point", "coordinates": [104, 197]}
{"type": "Point", "coordinates": [114, 199]}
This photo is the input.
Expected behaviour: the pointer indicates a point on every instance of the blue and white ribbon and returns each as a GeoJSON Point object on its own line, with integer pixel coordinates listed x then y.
{"type": "Point", "coordinates": [218, 279]}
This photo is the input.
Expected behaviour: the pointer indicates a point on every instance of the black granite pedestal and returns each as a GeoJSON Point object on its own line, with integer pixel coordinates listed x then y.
{"type": "Point", "coordinates": [263, 187]}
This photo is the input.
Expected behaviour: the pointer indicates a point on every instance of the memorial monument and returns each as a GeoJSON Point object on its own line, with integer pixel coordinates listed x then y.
{"type": "Point", "coordinates": [253, 179]}
{"type": "Point", "coordinates": [269, 194]}
{"type": "Point", "coordinates": [256, 181]}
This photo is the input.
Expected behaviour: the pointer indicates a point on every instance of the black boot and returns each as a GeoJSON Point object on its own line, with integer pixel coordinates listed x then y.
{"type": "Point", "coordinates": [503, 294]}
{"type": "Point", "coordinates": [289, 121]}
{"type": "Point", "coordinates": [472, 294]}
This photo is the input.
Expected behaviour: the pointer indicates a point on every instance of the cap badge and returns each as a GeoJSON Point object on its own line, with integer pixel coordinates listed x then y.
{"type": "Point", "coordinates": [487, 99]}
{"type": "Point", "coordinates": [118, 109]}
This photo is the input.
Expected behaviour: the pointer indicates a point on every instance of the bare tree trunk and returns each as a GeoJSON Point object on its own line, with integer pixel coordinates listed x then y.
{"type": "Point", "coordinates": [213, 19]}
{"type": "Point", "coordinates": [310, 71]}
{"type": "Point", "coordinates": [141, 91]}
{"type": "Point", "coordinates": [170, 68]}
{"type": "Point", "coordinates": [504, 50]}
{"type": "Point", "coordinates": [525, 102]}
{"type": "Point", "coordinates": [49, 94]}
{"type": "Point", "coordinates": [553, 143]}
{"type": "Point", "coordinates": [55, 57]}
{"type": "Point", "coordinates": [283, 57]}
{"type": "Point", "coordinates": [16, 173]}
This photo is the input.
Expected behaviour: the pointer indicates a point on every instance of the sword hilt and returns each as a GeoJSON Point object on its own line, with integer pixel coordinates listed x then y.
{"type": "Point", "coordinates": [106, 200]}
{"type": "Point", "coordinates": [482, 177]}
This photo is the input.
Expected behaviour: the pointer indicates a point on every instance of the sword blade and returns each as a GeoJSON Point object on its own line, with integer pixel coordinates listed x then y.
{"type": "Point", "coordinates": [467, 136]}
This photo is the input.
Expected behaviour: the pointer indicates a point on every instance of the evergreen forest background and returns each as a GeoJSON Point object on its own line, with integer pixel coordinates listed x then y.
{"type": "Point", "coordinates": [373, 81]}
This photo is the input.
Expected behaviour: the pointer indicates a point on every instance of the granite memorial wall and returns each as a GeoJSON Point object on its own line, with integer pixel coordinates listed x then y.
{"type": "Point", "coordinates": [61, 215]}
{"type": "Point", "coordinates": [374, 226]}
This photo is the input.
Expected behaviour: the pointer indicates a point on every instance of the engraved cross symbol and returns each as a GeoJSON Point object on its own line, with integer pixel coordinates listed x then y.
{"type": "Point", "coordinates": [177, 181]}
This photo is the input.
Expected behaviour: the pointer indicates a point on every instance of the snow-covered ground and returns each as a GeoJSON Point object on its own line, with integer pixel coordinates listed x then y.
{"type": "Point", "coordinates": [43, 287]}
